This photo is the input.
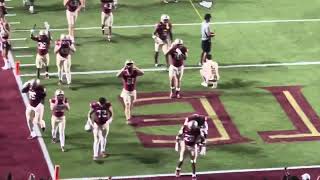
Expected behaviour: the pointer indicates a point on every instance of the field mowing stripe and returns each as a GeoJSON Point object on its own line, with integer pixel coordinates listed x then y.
{"type": "Point", "coordinates": [40, 139]}
{"type": "Point", "coordinates": [18, 39]}
{"type": "Point", "coordinates": [199, 173]}
{"type": "Point", "coordinates": [164, 69]}
{"type": "Point", "coordinates": [187, 24]}
{"type": "Point", "coordinates": [195, 9]}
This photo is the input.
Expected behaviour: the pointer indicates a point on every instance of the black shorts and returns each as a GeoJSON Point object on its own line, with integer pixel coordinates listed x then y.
{"type": "Point", "coordinates": [206, 45]}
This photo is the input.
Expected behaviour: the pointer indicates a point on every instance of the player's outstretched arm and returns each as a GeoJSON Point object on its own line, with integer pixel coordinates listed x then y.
{"type": "Point", "coordinates": [119, 74]}
{"type": "Point", "coordinates": [65, 2]}
{"type": "Point", "coordinates": [25, 87]}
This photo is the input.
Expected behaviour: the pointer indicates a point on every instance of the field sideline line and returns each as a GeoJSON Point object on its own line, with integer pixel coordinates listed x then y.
{"type": "Point", "coordinates": [304, 63]}
{"type": "Point", "coordinates": [186, 24]}
{"type": "Point", "coordinates": [199, 173]}
{"type": "Point", "coordinates": [36, 128]}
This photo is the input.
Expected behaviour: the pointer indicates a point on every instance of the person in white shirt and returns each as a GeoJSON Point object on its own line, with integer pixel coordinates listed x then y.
{"type": "Point", "coordinates": [206, 36]}
{"type": "Point", "coordinates": [210, 73]}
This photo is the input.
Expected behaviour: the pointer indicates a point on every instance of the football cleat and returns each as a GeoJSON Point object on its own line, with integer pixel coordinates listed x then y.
{"type": "Point", "coordinates": [54, 140]}
{"type": "Point", "coordinates": [31, 137]}
{"type": "Point", "coordinates": [156, 65]}
{"type": "Point", "coordinates": [178, 94]}
{"type": "Point", "coordinates": [103, 154]}
{"type": "Point", "coordinates": [178, 171]}
{"type": "Point", "coordinates": [63, 149]}
{"type": "Point", "coordinates": [46, 76]}
{"type": "Point", "coordinates": [31, 9]}
{"type": "Point", "coordinates": [165, 1]}
{"type": "Point", "coordinates": [204, 84]}
{"type": "Point", "coordinates": [95, 158]}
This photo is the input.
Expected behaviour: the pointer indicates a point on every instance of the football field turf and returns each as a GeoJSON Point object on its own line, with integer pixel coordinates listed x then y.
{"type": "Point", "coordinates": [249, 103]}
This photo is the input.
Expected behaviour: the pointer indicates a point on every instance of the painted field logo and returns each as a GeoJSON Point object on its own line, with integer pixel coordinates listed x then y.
{"type": "Point", "coordinates": [299, 111]}
{"type": "Point", "coordinates": [222, 129]}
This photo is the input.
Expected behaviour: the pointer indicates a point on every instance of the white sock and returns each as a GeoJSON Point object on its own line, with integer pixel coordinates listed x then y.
{"type": "Point", "coordinates": [62, 138]}
{"type": "Point", "coordinates": [95, 148]}
{"type": "Point", "coordinates": [103, 144]}
{"type": "Point", "coordinates": [68, 76]}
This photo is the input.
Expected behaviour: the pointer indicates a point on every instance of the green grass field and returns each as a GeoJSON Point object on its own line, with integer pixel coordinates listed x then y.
{"type": "Point", "coordinates": [251, 108]}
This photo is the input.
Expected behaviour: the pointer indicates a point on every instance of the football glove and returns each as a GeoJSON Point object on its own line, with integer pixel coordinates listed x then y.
{"type": "Point", "coordinates": [176, 147]}
{"type": "Point", "coordinates": [203, 150]}
{"type": "Point", "coordinates": [154, 36]}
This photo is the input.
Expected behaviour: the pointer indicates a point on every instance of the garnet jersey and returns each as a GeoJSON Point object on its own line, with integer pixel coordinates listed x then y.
{"type": "Point", "coordinates": [36, 94]}
{"type": "Point", "coordinates": [107, 6]}
{"type": "Point", "coordinates": [65, 48]}
{"type": "Point", "coordinates": [178, 55]}
{"type": "Point", "coordinates": [43, 44]}
{"type": "Point", "coordinates": [129, 79]}
{"type": "Point", "coordinates": [163, 30]}
{"type": "Point", "coordinates": [72, 5]}
{"type": "Point", "coordinates": [101, 113]}
{"type": "Point", "coordinates": [60, 105]}
{"type": "Point", "coordinates": [201, 119]}
{"type": "Point", "coordinates": [191, 136]}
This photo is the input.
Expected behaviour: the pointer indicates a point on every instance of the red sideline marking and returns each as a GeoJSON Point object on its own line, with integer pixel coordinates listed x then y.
{"type": "Point", "coordinates": [17, 154]}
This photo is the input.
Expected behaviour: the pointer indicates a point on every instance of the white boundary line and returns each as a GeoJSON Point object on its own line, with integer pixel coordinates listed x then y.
{"type": "Point", "coordinates": [303, 63]}
{"type": "Point", "coordinates": [200, 173]}
{"type": "Point", "coordinates": [9, 7]}
{"type": "Point", "coordinates": [12, 23]}
{"type": "Point", "coordinates": [26, 56]}
{"type": "Point", "coordinates": [27, 65]}
{"type": "Point", "coordinates": [189, 24]}
{"type": "Point", "coordinates": [24, 47]}
{"type": "Point", "coordinates": [7, 0]}
{"type": "Point", "coordinates": [10, 15]}
{"type": "Point", "coordinates": [40, 139]}
{"type": "Point", "coordinates": [18, 39]}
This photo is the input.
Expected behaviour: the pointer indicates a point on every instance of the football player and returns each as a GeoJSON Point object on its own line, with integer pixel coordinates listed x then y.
{"type": "Point", "coordinates": [107, 17]}
{"type": "Point", "coordinates": [129, 74]}
{"type": "Point", "coordinates": [99, 118]}
{"type": "Point", "coordinates": [189, 140]}
{"type": "Point", "coordinates": [58, 105]}
{"type": "Point", "coordinates": [72, 10]}
{"type": "Point", "coordinates": [177, 53]}
{"type": "Point", "coordinates": [202, 123]}
{"type": "Point", "coordinates": [35, 108]}
{"type": "Point", "coordinates": [29, 3]}
{"type": "Point", "coordinates": [162, 38]}
{"type": "Point", "coordinates": [43, 45]}
{"type": "Point", "coordinates": [210, 72]}
{"type": "Point", "coordinates": [64, 48]}
{"type": "Point", "coordinates": [3, 10]}
{"type": "Point", "coordinates": [5, 47]}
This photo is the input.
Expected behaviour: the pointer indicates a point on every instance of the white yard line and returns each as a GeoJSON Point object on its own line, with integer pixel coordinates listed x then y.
{"type": "Point", "coordinates": [189, 24]}
{"type": "Point", "coordinates": [303, 63]}
{"type": "Point", "coordinates": [9, 7]}
{"type": "Point", "coordinates": [205, 172]}
{"type": "Point", "coordinates": [10, 15]}
{"type": "Point", "coordinates": [24, 56]}
{"type": "Point", "coordinates": [7, 0]}
{"type": "Point", "coordinates": [27, 65]}
{"type": "Point", "coordinates": [40, 139]}
{"type": "Point", "coordinates": [18, 39]}
{"type": "Point", "coordinates": [23, 47]}
{"type": "Point", "coordinates": [12, 23]}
